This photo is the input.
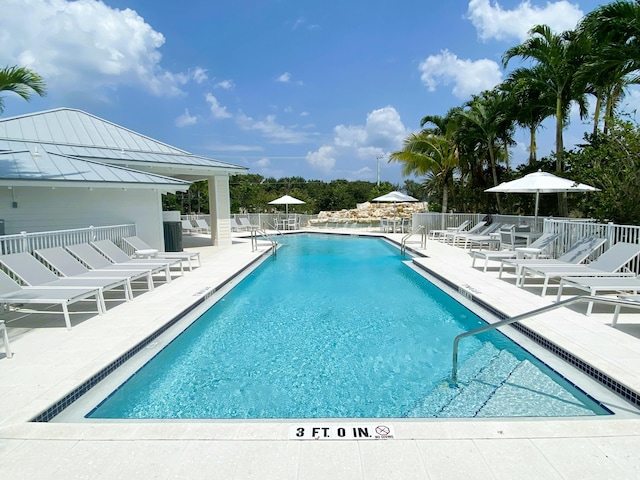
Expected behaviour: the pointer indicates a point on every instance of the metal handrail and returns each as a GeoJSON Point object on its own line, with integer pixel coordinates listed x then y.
{"type": "Point", "coordinates": [523, 316]}
{"type": "Point", "coordinates": [254, 240]}
{"type": "Point", "coordinates": [423, 239]}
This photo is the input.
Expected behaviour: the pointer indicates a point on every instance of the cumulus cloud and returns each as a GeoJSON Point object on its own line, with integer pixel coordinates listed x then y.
{"type": "Point", "coordinates": [494, 22]}
{"type": "Point", "coordinates": [284, 78]}
{"type": "Point", "coordinates": [199, 75]}
{"type": "Point", "coordinates": [217, 110]}
{"type": "Point", "coordinates": [224, 84]}
{"type": "Point", "coordinates": [186, 119]}
{"type": "Point", "coordinates": [271, 129]}
{"type": "Point", "coordinates": [468, 77]}
{"type": "Point", "coordinates": [85, 43]}
{"type": "Point", "coordinates": [322, 159]}
{"type": "Point", "coordinates": [383, 131]}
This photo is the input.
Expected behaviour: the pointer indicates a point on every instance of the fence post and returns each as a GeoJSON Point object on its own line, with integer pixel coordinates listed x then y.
{"type": "Point", "coordinates": [25, 242]}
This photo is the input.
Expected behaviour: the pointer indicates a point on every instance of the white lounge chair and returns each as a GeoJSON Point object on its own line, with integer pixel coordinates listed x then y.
{"type": "Point", "coordinates": [188, 228]}
{"type": "Point", "coordinates": [202, 225]}
{"type": "Point", "coordinates": [607, 264]}
{"type": "Point", "coordinates": [616, 313]}
{"type": "Point", "coordinates": [118, 256]}
{"type": "Point", "coordinates": [484, 237]}
{"type": "Point", "coordinates": [140, 245]}
{"type": "Point", "coordinates": [246, 224]}
{"type": "Point", "coordinates": [12, 293]}
{"type": "Point", "coordinates": [69, 266]}
{"type": "Point", "coordinates": [576, 254]}
{"type": "Point", "coordinates": [35, 274]}
{"type": "Point", "coordinates": [435, 234]}
{"type": "Point", "coordinates": [96, 261]}
{"type": "Point", "coordinates": [512, 251]}
{"type": "Point", "coordinates": [475, 230]}
{"type": "Point", "coordinates": [599, 285]}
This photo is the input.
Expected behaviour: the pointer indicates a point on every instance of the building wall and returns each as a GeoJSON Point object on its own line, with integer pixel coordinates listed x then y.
{"type": "Point", "coordinates": [45, 209]}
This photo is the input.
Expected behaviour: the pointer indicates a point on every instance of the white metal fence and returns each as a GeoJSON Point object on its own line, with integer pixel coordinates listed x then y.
{"type": "Point", "coordinates": [28, 242]}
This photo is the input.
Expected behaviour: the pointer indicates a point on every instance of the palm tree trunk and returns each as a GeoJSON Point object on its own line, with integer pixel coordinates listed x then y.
{"type": "Point", "coordinates": [533, 147]}
{"type": "Point", "coordinates": [494, 174]}
{"type": "Point", "coordinates": [445, 197]}
{"type": "Point", "coordinates": [563, 208]}
{"type": "Point", "coordinates": [596, 114]}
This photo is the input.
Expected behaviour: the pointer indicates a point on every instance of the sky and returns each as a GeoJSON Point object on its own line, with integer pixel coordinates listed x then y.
{"type": "Point", "coordinates": [318, 89]}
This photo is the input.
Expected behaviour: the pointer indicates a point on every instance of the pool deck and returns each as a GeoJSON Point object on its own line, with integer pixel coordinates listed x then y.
{"type": "Point", "coordinates": [50, 361]}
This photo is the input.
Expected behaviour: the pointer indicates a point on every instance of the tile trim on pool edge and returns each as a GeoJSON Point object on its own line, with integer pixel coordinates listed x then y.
{"type": "Point", "coordinates": [79, 391]}
{"type": "Point", "coordinates": [602, 378]}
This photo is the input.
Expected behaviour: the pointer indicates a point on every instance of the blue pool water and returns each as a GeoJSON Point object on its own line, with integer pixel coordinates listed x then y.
{"type": "Point", "coordinates": [339, 327]}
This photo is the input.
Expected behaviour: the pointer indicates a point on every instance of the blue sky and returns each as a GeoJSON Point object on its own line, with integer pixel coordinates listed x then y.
{"type": "Point", "coordinates": [310, 88]}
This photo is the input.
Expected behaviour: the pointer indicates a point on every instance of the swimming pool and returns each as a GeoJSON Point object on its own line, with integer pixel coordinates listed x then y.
{"type": "Point", "coordinates": [339, 327]}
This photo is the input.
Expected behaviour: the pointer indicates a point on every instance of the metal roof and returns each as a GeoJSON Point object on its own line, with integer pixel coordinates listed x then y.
{"type": "Point", "coordinates": [23, 163]}
{"type": "Point", "coordinates": [66, 133]}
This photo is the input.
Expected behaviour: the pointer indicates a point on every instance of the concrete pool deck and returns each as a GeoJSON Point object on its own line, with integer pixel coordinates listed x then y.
{"type": "Point", "coordinates": [50, 361]}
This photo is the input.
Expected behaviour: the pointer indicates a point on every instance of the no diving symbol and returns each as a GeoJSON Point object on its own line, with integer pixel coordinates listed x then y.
{"type": "Point", "coordinates": [382, 430]}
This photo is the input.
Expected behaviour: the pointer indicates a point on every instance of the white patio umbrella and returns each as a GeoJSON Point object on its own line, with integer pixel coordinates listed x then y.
{"type": "Point", "coordinates": [286, 200]}
{"type": "Point", "coordinates": [541, 182]}
{"type": "Point", "coordinates": [394, 197]}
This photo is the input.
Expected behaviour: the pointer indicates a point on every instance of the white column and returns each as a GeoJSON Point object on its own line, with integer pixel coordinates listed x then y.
{"type": "Point", "coordinates": [220, 208]}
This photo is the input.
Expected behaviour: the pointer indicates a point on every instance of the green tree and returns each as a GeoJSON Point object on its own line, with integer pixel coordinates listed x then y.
{"type": "Point", "coordinates": [22, 82]}
{"type": "Point", "coordinates": [559, 57]}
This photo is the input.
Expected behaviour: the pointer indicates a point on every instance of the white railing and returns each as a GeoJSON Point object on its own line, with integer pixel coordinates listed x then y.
{"type": "Point", "coordinates": [28, 242]}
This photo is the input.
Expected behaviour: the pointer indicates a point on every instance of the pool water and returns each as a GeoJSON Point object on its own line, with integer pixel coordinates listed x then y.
{"type": "Point", "coordinates": [339, 327]}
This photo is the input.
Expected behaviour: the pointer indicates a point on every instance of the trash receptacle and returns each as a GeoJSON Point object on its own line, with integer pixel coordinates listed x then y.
{"type": "Point", "coordinates": [172, 236]}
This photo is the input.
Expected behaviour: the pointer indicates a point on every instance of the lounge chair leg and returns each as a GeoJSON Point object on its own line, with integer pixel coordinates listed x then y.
{"type": "Point", "coordinates": [65, 312]}
{"type": "Point", "coordinates": [616, 312]}
{"type": "Point", "coordinates": [5, 339]}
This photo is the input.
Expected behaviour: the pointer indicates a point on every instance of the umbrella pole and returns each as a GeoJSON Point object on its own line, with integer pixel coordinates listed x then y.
{"type": "Point", "coordinates": [535, 217]}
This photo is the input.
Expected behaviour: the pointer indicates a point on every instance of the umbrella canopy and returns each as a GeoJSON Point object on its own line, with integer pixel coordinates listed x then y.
{"type": "Point", "coordinates": [541, 182]}
{"type": "Point", "coordinates": [395, 196]}
{"type": "Point", "coordinates": [286, 200]}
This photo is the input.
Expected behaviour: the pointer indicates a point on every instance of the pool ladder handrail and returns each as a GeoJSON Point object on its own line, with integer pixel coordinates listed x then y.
{"type": "Point", "coordinates": [258, 232]}
{"type": "Point", "coordinates": [529, 314]}
{"type": "Point", "coordinates": [405, 239]}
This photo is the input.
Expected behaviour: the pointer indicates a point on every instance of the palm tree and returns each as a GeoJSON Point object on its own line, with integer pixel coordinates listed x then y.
{"type": "Point", "coordinates": [428, 154]}
{"type": "Point", "coordinates": [531, 102]}
{"type": "Point", "coordinates": [614, 33]}
{"type": "Point", "coordinates": [22, 81]}
{"type": "Point", "coordinates": [559, 56]}
{"type": "Point", "coordinates": [485, 126]}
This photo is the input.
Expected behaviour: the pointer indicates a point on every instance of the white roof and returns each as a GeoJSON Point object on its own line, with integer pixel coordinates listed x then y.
{"type": "Point", "coordinates": [62, 135]}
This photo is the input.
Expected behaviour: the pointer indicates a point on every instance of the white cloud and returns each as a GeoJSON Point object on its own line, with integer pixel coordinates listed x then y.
{"type": "Point", "coordinates": [468, 77]}
{"type": "Point", "coordinates": [323, 159]}
{"type": "Point", "coordinates": [382, 132]}
{"type": "Point", "coordinates": [262, 163]}
{"type": "Point", "coordinates": [494, 22]}
{"type": "Point", "coordinates": [217, 110]}
{"type": "Point", "coordinates": [284, 78]}
{"type": "Point", "coordinates": [271, 129]}
{"type": "Point", "coordinates": [199, 75]}
{"type": "Point", "coordinates": [85, 44]}
{"type": "Point", "coordinates": [186, 119]}
{"type": "Point", "coordinates": [225, 84]}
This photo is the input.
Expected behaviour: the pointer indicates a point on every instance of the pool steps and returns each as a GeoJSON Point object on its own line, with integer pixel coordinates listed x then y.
{"type": "Point", "coordinates": [494, 383]}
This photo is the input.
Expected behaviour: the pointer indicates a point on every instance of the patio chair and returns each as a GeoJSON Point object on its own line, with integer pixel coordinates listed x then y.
{"type": "Point", "coordinates": [235, 226]}
{"type": "Point", "coordinates": [12, 293]}
{"type": "Point", "coordinates": [140, 245]}
{"type": "Point", "coordinates": [475, 230]}
{"type": "Point", "coordinates": [69, 266]}
{"type": "Point", "coordinates": [478, 239]}
{"type": "Point", "coordinates": [33, 273]}
{"type": "Point", "coordinates": [607, 264]}
{"type": "Point", "coordinates": [616, 312]}
{"type": "Point", "coordinates": [118, 256]}
{"type": "Point", "coordinates": [510, 249]}
{"type": "Point", "coordinates": [96, 261]}
{"type": "Point", "coordinates": [202, 225]}
{"type": "Point", "coordinates": [576, 254]}
{"type": "Point", "coordinates": [246, 224]}
{"type": "Point", "coordinates": [435, 234]}
{"type": "Point", "coordinates": [599, 285]}
{"type": "Point", "coordinates": [188, 228]}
